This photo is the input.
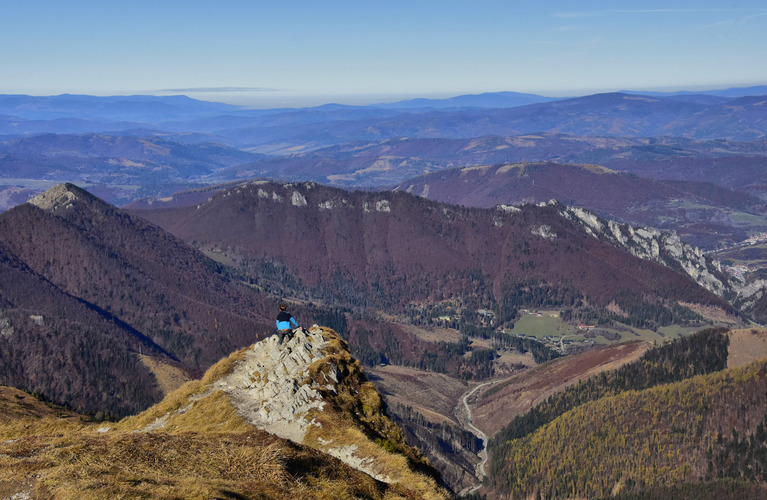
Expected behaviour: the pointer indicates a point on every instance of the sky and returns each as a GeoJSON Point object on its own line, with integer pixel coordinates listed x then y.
{"type": "Point", "coordinates": [264, 53]}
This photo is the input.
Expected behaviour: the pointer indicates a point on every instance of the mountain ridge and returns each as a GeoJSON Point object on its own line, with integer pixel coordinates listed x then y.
{"type": "Point", "coordinates": [411, 246]}
{"type": "Point", "coordinates": [207, 437]}
{"type": "Point", "coordinates": [91, 263]}
{"type": "Point", "coordinates": [693, 209]}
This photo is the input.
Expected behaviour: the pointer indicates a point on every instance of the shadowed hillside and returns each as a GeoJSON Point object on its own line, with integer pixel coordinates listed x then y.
{"type": "Point", "coordinates": [99, 285]}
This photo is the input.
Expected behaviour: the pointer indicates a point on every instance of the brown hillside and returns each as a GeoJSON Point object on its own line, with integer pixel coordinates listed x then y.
{"type": "Point", "coordinates": [432, 394]}
{"type": "Point", "coordinates": [54, 344]}
{"type": "Point", "coordinates": [695, 209]}
{"type": "Point", "coordinates": [500, 403]}
{"type": "Point", "coordinates": [137, 272]}
{"type": "Point", "coordinates": [747, 346]}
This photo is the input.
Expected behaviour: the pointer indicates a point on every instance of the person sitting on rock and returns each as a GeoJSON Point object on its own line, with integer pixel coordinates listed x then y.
{"type": "Point", "coordinates": [284, 323]}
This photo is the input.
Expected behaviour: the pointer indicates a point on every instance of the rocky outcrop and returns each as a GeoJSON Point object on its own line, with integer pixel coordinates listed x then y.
{"type": "Point", "coordinates": [271, 387]}
{"type": "Point", "coordinates": [61, 195]}
{"type": "Point", "coordinates": [662, 247]}
{"type": "Point", "coordinates": [307, 389]}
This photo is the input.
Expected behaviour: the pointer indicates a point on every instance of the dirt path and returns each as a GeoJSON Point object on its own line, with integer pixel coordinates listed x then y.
{"type": "Point", "coordinates": [463, 408]}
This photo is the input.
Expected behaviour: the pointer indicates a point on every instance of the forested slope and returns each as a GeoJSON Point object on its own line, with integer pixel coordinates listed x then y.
{"type": "Point", "coordinates": [676, 415]}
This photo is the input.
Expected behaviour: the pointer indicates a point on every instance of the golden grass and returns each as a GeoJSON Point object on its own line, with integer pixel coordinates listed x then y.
{"type": "Point", "coordinates": [169, 378]}
{"type": "Point", "coordinates": [189, 465]}
{"type": "Point", "coordinates": [185, 395]}
{"type": "Point", "coordinates": [354, 417]}
{"type": "Point", "coordinates": [22, 415]}
{"type": "Point", "coordinates": [205, 449]}
{"type": "Point", "coordinates": [16, 404]}
{"type": "Point", "coordinates": [225, 366]}
{"type": "Point", "coordinates": [210, 414]}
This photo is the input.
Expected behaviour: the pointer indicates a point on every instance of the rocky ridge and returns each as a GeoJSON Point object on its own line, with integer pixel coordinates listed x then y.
{"type": "Point", "coordinates": [662, 247]}
{"type": "Point", "coordinates": [666, 248]}
{"type": "Point", "coordinates": [307, 389]}
{"type": "Point", "coordinates": [60, 195]}
{"type": "Point", "coordinates": [270, 385]}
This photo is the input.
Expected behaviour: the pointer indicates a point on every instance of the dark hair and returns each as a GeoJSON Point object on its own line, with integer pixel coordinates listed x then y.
{"type": "Point", "coordinates": [283, 307]}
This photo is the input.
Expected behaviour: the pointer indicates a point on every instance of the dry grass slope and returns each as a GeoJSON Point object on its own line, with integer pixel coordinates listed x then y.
{"type": "Point", "coordinates": [195, 444]}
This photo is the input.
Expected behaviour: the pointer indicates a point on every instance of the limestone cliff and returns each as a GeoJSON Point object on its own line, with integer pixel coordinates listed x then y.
{"type": "Point", "coordinates": [663, 247]}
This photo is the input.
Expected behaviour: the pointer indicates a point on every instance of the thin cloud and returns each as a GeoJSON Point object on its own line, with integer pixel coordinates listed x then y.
{"type": "Point", "coordinates": [666, 11]}
{"type": "Point", "coordinates": [726, 22]}
{"type": "Point", "coordinates": [222, 89]}
{"type": "Point", "coordinates": [575, 15]}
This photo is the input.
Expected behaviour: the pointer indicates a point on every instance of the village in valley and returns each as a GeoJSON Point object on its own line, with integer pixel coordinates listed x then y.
{"type": "Point", "coordinates": [736, 263]}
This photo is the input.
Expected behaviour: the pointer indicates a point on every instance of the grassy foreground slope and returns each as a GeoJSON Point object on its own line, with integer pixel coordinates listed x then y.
{"type": "Point", "coordinates": [204, 440]}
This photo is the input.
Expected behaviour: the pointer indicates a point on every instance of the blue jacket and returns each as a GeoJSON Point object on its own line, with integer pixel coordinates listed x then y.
{"type": "Point", "coordinates": [284, 320]}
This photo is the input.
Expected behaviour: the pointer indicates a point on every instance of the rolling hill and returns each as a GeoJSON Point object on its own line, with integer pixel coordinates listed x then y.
{"type": "Point", "coordinates": [121, 167]}
{"type": "Point", "coordinates": [703, 214]}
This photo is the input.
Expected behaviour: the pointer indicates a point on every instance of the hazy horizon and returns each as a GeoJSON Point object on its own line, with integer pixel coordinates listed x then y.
{"type": "Point", "coordinates": [263, 100]}
{"type": "Point", "coordinates": [274, 54]}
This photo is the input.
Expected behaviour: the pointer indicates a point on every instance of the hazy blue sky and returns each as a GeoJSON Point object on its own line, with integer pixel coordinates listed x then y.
{"type": "Point", "coordinates": [307, 52]}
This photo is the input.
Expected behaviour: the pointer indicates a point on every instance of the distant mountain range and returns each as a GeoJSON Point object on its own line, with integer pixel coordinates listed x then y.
{"type": "Point", "coordinates": [485, 100]}
{"type": "Point", "coordinates": [702, 213]}
{"type": "Point", "coordinates": [699, 116]}
{"type": "Point", "coordinates": [730, 92]}
{"type": "Point", "coordinates": [126, 147]}
{"type": "Point", "coordinates": [119, 167]}
{"type": "Point", "coordinates": [133, 108]}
